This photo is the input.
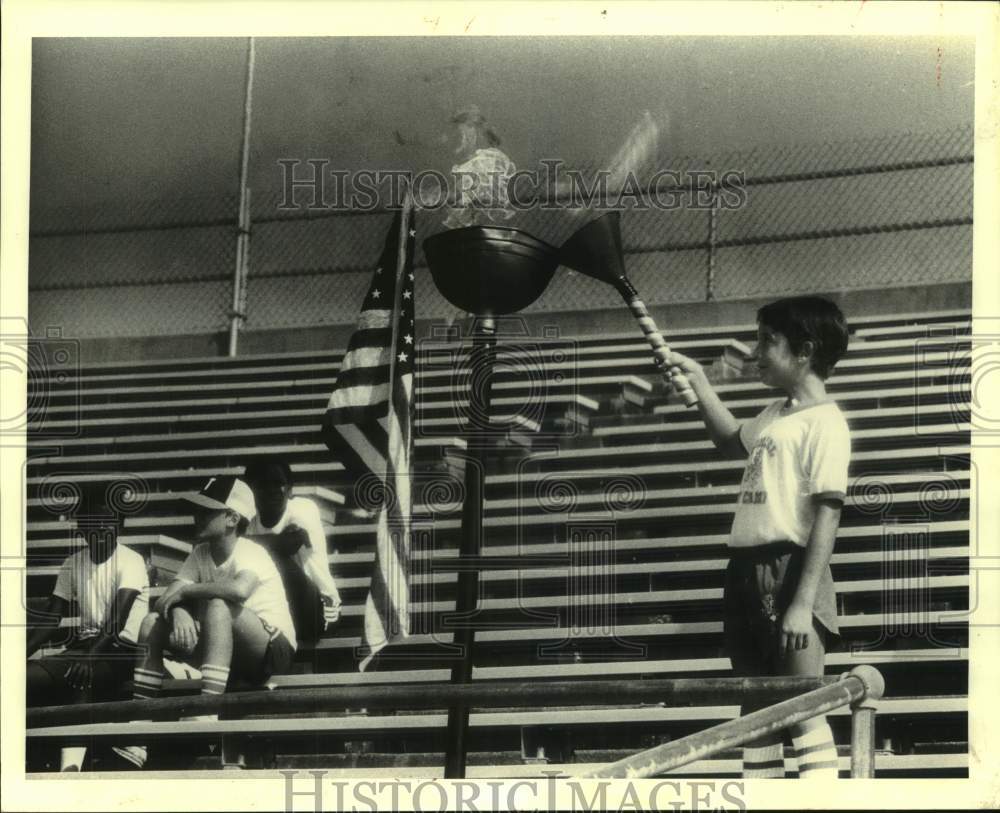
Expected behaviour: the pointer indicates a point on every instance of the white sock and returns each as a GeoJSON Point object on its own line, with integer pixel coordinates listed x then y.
{"type": "Point", "coordinates": [816, 753]}
{"type": "Point", "coordinates": [71, 758]}
{"type": "Point", "coordinates": [213, 681]}
{"type": "Point", "coordinates": [764, 761]}
{"type": "Point", "coordinates": [214, 678]}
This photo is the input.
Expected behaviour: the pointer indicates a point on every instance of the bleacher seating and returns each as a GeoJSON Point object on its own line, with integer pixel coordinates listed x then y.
{"type": "Point", "coordinates": [610, 488]}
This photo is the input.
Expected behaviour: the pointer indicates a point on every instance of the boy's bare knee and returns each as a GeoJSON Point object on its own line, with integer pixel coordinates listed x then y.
{"type": "Point", "coordinates": [218, 608]}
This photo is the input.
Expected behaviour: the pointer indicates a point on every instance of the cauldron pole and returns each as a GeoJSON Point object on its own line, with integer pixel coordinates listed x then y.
{"type": "Point", "coordinates": [486, 271]}
{"type": "Point", "coordinates": [479, 443]}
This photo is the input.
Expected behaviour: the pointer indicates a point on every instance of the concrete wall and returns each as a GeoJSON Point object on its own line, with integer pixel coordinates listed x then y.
{"type": "Point", "coordinates": [569, 323]}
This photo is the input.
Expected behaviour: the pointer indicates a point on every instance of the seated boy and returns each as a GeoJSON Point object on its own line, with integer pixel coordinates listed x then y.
{"type": "Point", "coordinates": [225, 612]}
{"type": "Point", "coordinates": [291, 529]}
{"type": "Point", "coordinates": [108, 584]}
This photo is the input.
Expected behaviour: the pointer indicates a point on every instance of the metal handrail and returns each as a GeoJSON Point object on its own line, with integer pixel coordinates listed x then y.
{"type": "Point", "coordinates": [476, 694]}
{"type": "Point", "coordinates": [801, 698]}
{"type": "Point", "coordinates": [859, 688]}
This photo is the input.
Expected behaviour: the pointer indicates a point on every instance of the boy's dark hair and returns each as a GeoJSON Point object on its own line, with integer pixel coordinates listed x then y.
{"type": "Point", "coordinates": [263, 469]}
{"type": "Point", "coordinates": [242, 525]}
{"type": "Point", "coordinates": [95, 499]}
{"type": "Point", "coordinates": [809, 318]}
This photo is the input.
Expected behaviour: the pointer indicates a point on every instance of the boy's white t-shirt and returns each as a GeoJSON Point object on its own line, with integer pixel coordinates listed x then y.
{"type": "Point", "coordinates": [267, 601]}
{"type": "Point", "coordinates": [795, 456]}
{"type": "Point", "coordinates": [95, 589]}
{"type": "Point", "coordinates": [301, 512]}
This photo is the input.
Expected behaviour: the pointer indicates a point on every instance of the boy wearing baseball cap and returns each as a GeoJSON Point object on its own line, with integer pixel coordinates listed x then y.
{"type": "Point", "coordinates": [226, 610]}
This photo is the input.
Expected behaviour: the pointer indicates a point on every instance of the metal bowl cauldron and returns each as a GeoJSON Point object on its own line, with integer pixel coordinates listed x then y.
{"type": "Point", "coordinates": [490, 270]}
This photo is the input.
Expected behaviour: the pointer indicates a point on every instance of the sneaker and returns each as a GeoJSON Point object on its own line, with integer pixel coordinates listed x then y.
{"type": "Point", "coordinates": [134, 754]}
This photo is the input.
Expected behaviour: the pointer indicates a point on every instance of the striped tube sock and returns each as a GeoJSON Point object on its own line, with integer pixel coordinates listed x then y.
{"type": "Point", "coordinates": [764, 761]}
{"type": "Point", "coordinates": [146, 684]}
{"type": "Point", "coordinates": [816, 753]}
{"type": "Point", "coordinates": [214, 679]}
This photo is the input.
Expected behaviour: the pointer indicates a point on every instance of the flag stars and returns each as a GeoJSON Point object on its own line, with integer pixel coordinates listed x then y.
{"type": "Point", "coordinates": [413, 232]}
{"type": "Point", "coordinates": [402, 357]}
{"type": "Point", "coordinates": [378, 272]}
{"type": "Point", "coordinates": [376, 293]}
{"type": "Point", "coordinates": [408, 339]}
{"type": "Point", "coordinates": [411, 277]}
{"type": "Point", "coordinates": [407, 294]}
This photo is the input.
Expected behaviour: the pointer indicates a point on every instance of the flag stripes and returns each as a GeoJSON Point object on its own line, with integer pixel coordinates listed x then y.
{"type": "Point", "coordinates": [368, 426]}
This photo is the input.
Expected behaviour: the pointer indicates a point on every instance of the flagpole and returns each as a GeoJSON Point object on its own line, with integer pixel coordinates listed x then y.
{"type": "Point", "coordinates": [397, 300]}
{"type": "Point", "coordinates": [397, 305]}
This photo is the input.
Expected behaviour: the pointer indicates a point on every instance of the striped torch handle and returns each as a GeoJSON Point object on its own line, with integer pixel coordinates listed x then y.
{"type": "Point", "coordinates": [660, 349]}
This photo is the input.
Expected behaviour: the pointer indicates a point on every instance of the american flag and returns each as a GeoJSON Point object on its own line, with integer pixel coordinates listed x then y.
{"type": "Point", "coordinates": [368, 427]}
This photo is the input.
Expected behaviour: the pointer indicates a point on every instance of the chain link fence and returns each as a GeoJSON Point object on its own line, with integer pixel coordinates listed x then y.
{"type": "Point", "coordinates": [862, 214]}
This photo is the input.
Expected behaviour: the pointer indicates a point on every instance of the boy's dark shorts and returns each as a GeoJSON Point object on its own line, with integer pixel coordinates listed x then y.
{"type": "Point", "coordinates": [111, 669]}
{"type": "Point", "coordinates": [760, 585]}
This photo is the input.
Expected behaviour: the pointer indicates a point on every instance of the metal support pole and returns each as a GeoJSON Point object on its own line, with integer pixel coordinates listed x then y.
{"type": "Point", "coordinates": [863, 739]}
{"type": "Point", "coordinates": [479, 443]}
{"type": "Point", "coordinates": [237, 315]}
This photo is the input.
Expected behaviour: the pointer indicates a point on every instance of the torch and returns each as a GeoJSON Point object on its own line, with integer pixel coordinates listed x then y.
{"type": "Point", "coordinates": [596, 250]}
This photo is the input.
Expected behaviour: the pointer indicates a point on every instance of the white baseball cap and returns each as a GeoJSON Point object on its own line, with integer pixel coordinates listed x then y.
{"type": "Point", "coordinates": [226, 492]}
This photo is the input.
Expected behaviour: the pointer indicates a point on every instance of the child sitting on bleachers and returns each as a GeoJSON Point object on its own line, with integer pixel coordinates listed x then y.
{"type": "Point", "coordinates": [108, 584]}
{"type": "Point", "coordinates": [226, 611]}
{"type": "Point", "coordinates": [780, 603]}
{"type": "Point", "coordinates": [292, 530]}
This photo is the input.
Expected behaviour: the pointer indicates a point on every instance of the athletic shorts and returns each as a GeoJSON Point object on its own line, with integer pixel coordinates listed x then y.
{"type": "Point", "coordinates": [111, 669]}
{"type": "Point", "coordinates": [760, 585]}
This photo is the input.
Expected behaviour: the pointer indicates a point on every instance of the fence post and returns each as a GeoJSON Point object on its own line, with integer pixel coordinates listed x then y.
{"type": "Point", "coordinates": [713, 231]}
{"type": "Point", "coordinates": [237, 314]}
{"type": "Point", "coordinates": [863, 738]}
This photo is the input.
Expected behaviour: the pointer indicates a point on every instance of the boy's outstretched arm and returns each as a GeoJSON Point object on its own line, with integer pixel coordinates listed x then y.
{"type": "Point", "coordinates": [723, 428]}
{"type": "Point", "coordinates": [796, 624]}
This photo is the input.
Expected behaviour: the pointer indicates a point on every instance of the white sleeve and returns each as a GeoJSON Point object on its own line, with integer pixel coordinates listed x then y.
{"type": "Point", "coordinates": [254, 557]}
{"type": "Point", "coordinates": [132, 572]}
{"type": "Point", "coordinates": [315, 561]}
{"type": "Point", "coordinates": [750, 430]}
{"type": "Point", "coordinates": [828, 454]}
{"type": "Point", "coordinates": [189, 571]}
